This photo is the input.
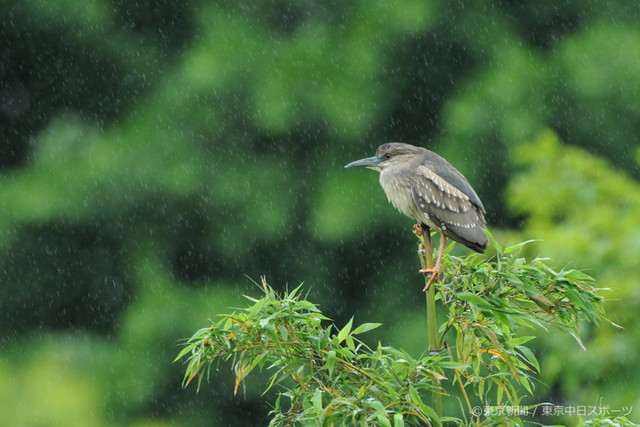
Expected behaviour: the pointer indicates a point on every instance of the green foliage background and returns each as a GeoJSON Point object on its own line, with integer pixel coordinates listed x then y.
{"type": "Point", "coordinates": [155, 152]}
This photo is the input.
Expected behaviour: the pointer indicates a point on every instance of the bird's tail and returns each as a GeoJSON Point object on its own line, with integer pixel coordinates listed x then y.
{"type": "Point", "coordinates": [473, 238]}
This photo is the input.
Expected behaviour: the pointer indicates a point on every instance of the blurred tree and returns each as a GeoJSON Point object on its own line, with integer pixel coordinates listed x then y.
{"type": "Point", "coordinates": [591, 220]}
{"type": "Point", "coordinates": [209, 138]}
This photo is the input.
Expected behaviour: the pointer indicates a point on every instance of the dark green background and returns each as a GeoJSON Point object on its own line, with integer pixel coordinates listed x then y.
{"type": "Point", "coordinates": [156, 153]}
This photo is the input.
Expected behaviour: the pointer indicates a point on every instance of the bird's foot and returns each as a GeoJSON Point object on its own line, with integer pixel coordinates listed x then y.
{"type": "Point", "coordinates": [435, 275]}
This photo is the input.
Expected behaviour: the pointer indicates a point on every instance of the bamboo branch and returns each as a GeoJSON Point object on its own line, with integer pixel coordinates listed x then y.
{"type": "Point", "coordinates": [425, 253]}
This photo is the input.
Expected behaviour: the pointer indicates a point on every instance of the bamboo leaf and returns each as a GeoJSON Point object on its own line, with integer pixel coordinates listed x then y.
{"type": "Point", "coordinates": [474, 299]}
{"type": "Point", "coordinates": [529, 356]}
{"type": "Point", "coordinates": [383, 419]}
{"type": "Point", "coordinates": [317, 401]}
{"type": "Point", "coordinates": [514, 342]}
{"type": "Point", "coordinates": [185, 350]}
{"type": "Point", "coordinates": [398, 420]}
{"type": "Point", "coordinates": [345, 331]}
{"type": "Point", "coordinates": [330, 361]}
{"type": "Point", "coordinates": [517, 247]}
{"type": "Point", "coordinates": [365, 327]}
{"type": "Point", "coordinates": [493, 241]}
{"type": "Point", "coordinates": [578, 340]}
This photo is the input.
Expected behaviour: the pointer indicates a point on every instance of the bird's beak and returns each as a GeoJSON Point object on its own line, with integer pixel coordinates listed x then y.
{"type": "Point", "coordinates": [369, 162]}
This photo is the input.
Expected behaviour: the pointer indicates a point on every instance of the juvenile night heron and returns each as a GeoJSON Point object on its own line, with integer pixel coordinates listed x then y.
{"type": "Point", "coordinates": [424, 186]}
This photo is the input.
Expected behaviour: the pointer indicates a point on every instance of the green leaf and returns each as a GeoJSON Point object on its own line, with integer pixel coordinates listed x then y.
{"type": "Point", "coordinates": [185, 350]}
{"type": "Point", "coordinates": [293, 293]}
{"type": "Point", "coordinates": [398, 420]}
{"type": "Point", "coordinates": [365, 327]}
{"type": "Point", "coordinates": [474, 299]}
{"type": "Point", "coordinates": [317, 401]}
{"type": "Point", "coordinates": [517, 247]}
{"type": "Point", "coordinates": [529, 356]}
{"type": "Point", "coordinates": [257, 307]}
{"type": "Point", "coordinates": [526, 384]}
{"type": "Point", "coordinates": [361, 392]}
{"type": "Point", "coordinates": [383, 419]}
{"type": "Point", "coordinates": [350, 343]}
{"type": "Point", "coordinates": [513, 342]}
{"type": "Point", "coordinates": [415, 396]}
{"type": "Point", "coordinates": [579, 275]}
{"type": "Point", "coordinates": [493, 241]}
{"type": "Point", "coordinates": [426, 410]}
{"type": "Point", "coordinates": [345, 331]}
{"type": "Point", "coordinates": [393, 394]}
{"type": "Point", "coordinates": [330, 361]}
{"type": "Point", "coordinates": [306, 305]}
{"type": "Point", "coordinates": [380, 411]}
{"type": "Point", "coordinates": [324, 339]}
{"type": "Point", "coordinates": [578, 340]}
{"type": "Point", "coordinates": [453, 365]}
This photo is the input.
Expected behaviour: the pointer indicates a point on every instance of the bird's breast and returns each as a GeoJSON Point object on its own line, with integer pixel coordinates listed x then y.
{"type": "Point", "coordinates": [399, 193]}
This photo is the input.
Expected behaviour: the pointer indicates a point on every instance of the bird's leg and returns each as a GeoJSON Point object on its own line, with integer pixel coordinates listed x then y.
{"type": "Point", "coordinates": [435, 271]}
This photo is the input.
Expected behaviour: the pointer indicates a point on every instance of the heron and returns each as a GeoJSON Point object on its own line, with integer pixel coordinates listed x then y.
{"type": "Point", "coordinates": [427, 188]}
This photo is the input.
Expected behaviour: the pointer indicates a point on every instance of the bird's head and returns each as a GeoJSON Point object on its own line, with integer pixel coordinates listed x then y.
{"type": "Point", "coordinates": [388, 155]}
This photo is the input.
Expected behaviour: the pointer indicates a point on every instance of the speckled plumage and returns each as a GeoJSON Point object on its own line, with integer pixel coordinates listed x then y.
{"type": "Point", "coordinates": [424, 186]}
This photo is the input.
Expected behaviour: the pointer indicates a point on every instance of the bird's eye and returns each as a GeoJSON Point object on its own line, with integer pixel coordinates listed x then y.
{"type": "Point", "coordinates": [388, 156]}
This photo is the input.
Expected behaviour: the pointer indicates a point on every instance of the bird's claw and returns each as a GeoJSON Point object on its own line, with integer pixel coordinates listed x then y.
{"type": "Point", "coordinates": [435, 275]}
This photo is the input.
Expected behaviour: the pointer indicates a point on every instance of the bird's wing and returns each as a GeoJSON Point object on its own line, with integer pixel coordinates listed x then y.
{"type": "Point", "coordinates": [443, 203]}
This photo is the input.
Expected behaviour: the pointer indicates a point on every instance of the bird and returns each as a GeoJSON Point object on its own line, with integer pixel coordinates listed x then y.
{"type": "Point", "coordinates": [427, 188]}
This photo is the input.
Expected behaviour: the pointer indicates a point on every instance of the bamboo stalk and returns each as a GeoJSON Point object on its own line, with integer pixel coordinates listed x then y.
{"type": "Point", "coordinates": [425, 252]}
